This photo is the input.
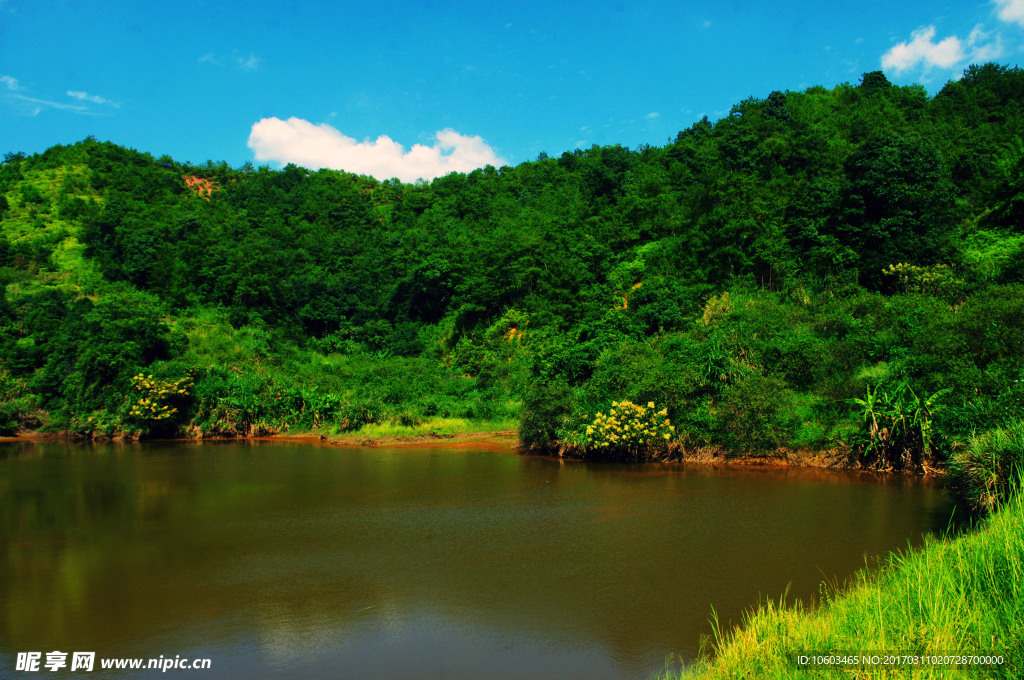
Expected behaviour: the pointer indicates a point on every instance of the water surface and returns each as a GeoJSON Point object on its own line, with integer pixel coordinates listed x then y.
{"type": "Point", "coordinates": [297, 560]}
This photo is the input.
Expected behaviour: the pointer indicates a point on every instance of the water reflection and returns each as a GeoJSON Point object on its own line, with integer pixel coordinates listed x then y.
{"type": "Point", "coordinates": [324, 562]}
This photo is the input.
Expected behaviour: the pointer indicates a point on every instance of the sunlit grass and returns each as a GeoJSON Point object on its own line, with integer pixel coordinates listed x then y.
{"type": "Point", "coordinates": [441, 427]}
{"type": "Point", "coordinates": [67, 268]}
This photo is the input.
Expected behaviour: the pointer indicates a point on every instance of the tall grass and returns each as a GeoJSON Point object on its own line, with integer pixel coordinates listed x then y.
{"type": "Point", "coordinates": [989, 469]}
{"type": "Point", "coordinates": [952, 596]}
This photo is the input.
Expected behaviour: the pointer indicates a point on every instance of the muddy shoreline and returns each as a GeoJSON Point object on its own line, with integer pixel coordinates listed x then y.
{"type": "Point", "coordinates": [835, 459]}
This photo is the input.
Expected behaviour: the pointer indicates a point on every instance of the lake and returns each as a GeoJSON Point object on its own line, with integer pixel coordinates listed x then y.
{"type": "Point", "coordinates": [289, 559]}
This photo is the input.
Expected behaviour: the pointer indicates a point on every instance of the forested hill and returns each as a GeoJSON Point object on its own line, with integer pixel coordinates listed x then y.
{"type": "Point", "coordinates": [753, 277]}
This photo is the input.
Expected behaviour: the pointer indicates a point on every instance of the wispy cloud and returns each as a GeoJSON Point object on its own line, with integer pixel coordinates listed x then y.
{"type": "Point", "coordinates": [246, 62]}
{"type": "Point", "coordinates": [983, 46]}
{"type": "Point", "coordinates": [34, 105]}
{"type": "Point", "coordinates": [922, 50]}
{"type": "Point", "coordinates": [41, 104]}
{"type": "Point", "coordinates": [321, 146]}
{"type": "Point", "coordinates": [95, 99]}
{"type": "Point", "coordinates": [652, 115]}
{"type": "Point", "coordinates": [249, 63]}
{"type": "Point", "coordinates": [1011, 11]}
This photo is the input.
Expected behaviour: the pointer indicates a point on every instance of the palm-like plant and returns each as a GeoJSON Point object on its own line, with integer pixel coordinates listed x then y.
{"type": "Point", "coordinates": [897, 428]}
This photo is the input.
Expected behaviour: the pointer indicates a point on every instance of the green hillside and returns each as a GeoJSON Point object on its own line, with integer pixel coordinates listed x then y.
{"type": "Point", "coordinates": [823, 270]}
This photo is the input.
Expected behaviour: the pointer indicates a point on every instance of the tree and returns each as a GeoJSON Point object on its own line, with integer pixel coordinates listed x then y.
{"type": "Point", "coordinates": [898, 205]}
{"type": "Point", "coordinates": [873, 82]}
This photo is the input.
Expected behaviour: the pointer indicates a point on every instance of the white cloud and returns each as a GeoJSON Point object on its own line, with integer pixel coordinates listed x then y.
{"type": "Point", "coordinates": [86, 97]}
{"type": "Point", "coordinates": [248, 62]}
{"type": "Point", "coordinates": [1011, 10]}
{"type": "Point", "coordinates": [981, 49]}
{"type": "Point", "coordinates": [652, 115]}
{"type": "Point", "coordinates": [321, 146]}
{"type": "Point", "coordinates": [920, 50]}
{"type": "Point", "coordinates": [45, 103]}
{"type": "Point", "coordinates": [33, 106]}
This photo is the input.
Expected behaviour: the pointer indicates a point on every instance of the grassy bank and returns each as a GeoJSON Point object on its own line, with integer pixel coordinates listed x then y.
{"type": "Point", "coordinates": [430, 430]}
{"type": "Point", "coordinates": [953, 596]}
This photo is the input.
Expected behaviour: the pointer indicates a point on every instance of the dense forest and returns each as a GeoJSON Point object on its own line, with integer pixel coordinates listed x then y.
{"type": "Point", "coordinates": [834, 269]}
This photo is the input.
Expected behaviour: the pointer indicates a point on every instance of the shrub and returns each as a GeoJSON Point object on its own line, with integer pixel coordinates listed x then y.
{"type": "Point", "coordinates": [352, 415]}
{"type": "Point", "coordinates": [544, 408]}
{"type": "Point", "coordinates": [630, 428]}
{"type": "Point", "coordinates": [897, 428]}
{"type": "Point", "coordinates": [158, 399]}
{"type": "Point", "coordinates": [989, 470]}
{"type": "Point", "coordinates": [230, 404]}
{"type": "Point", "coordinates": [756, 412]}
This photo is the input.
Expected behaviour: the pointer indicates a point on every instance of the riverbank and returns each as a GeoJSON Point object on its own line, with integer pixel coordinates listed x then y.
{"type": "Point", "coordinates": [953, 596]}
{"type": "Point", "coordinates": [446, 431]}
{"type": "Point", "coordinates": [837, 458]}
{"type": "Point", "coordinates": [452, 431]}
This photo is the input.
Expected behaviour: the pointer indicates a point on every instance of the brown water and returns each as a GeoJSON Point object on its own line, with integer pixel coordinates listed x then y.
{"type": "Point", "coordinates": [281, 560]}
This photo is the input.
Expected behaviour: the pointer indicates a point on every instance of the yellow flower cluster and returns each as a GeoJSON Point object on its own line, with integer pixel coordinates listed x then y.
{"type": "Point", "coordinates": [933, 279]}
{"type": "Point", "coordinates": [630, 426]}
{"type": "Point", "coordinates": [154, 400]}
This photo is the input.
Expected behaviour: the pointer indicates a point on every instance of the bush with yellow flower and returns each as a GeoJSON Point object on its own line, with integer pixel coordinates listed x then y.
{"type": "Point", "coordinates": [154, 399]}
{"type": "Point", "coordinates": [630, 427]}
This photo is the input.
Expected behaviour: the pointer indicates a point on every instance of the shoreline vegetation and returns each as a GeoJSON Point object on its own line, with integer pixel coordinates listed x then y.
{"type": "Point", "coordinates": [460, 432]}
{"type": "Point", "coordinates": [824, 277]}
{"type": "Point", "coordinates": [384, 434]}
{"type": "Point", "coordinates": [456, 431]}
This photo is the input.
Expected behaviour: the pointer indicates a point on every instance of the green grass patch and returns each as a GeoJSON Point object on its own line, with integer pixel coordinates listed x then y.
{"type": "Point", "coordinates": [432, 427]}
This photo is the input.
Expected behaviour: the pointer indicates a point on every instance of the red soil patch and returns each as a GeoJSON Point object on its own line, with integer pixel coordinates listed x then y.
{"type": "Point", "coordinates": [202, 187]}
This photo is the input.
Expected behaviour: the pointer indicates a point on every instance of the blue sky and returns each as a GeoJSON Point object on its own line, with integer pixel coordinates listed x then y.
{"type": "Point", "coordinates": [416, 89]}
